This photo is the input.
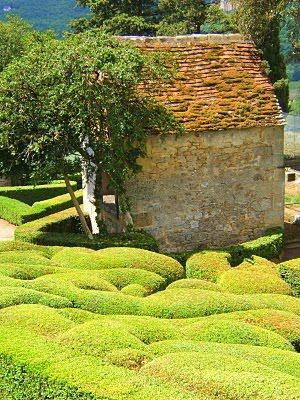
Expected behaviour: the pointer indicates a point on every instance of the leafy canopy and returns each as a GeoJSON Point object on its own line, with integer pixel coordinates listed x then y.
{"type": "Point", "coordinates": [82, 98]}
{"type": "Point", "coordinates": [262, 20]}
{"type": "Point", "coordinates": [16, 38]}
{"type": "Point", "coordinates": [149, 17]}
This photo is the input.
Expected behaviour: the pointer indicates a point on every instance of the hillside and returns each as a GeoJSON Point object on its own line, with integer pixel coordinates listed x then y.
{"type": "Point", "coordinates": [54, 14]}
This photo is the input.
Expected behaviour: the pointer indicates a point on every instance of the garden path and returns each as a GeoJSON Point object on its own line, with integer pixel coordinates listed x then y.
{"type": "Point", "coordinates": [7, 230]}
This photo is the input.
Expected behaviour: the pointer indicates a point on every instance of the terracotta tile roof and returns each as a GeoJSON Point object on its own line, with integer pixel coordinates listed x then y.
{"type": "Point", "coordinates": [219, 83]}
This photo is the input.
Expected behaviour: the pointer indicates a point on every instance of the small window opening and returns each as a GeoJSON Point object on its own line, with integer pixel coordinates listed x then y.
{"type": "Point", "coordinates": [111, 205]}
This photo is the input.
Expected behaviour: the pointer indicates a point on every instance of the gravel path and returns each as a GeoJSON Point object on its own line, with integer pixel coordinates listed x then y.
{"type": "Point", "coordinates": [7, 230]}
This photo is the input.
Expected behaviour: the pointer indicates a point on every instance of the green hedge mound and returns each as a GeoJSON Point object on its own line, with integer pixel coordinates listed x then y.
{"type": "Point", "coordinates": [32, 194]}
{"type": "Point", "coordinates": [223, 376]}
{"type": "Point", "coordinates": [284, 323]}
{"type": "Point", "coordinates": [53, 230]}
{"type": "Point", "coordinates": [123, 323]}
{"type": "Point", "coordinates": [208, 265]}
{"type": "Point", "coordinates": [230, 331]}
{"type": "Point", "coordinates": [269, 246]}
{"type": "Point", "coordinates": [18, 213]}
{"type": "Point", "coordinates": [121, 257]}
{"type": "Point", "coordinates": [290, 273]}
{"type": "Point", "coordinates": [250, 277]}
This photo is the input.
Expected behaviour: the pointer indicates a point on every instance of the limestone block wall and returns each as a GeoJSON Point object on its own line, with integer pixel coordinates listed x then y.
{"type": "Point", "coordinates": [211, 189]}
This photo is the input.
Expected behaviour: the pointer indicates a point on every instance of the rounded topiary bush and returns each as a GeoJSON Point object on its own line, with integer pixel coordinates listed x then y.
{"type": "Point", "coordinates": [121, 257]}
{"type": "Point", "coordinates": [122, 277]}
{"type": "Point", "coordinates": [135, 290]}
{"type": "Point", "coordinates": [253, 278]}
{"type": "Point", "coordinates": [237, 375]}
{"type": "Point", "coordinates": [129, 358]}
{"type": "Point", "coordinates": [285, 323]}
{"type": "Point", "coordinates": [228, 331]}
{"type": "Point", "coordinates": [208, 265]}
{"type": "Point", "coordinates": [194, 284]}
{"type": "Point", "coordinates": [24, 257]}
{"type": "Point", "coordinates": [290, 273]}
{"type": "Point", "coordinates": [98, 337]}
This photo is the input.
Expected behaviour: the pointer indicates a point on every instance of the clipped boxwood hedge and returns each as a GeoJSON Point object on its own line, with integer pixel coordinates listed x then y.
{"type": "Point", "coordinates": [269, 246]}
{"type": "Point", "coordinates": [48, 231]}
{"type": "Point", "coordinates": [18, 213]}
{"type": "Point", "coordinates": [31, 194]}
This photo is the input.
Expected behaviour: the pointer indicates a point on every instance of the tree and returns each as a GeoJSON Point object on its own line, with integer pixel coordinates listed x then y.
{"type": "Point", "coordinates": [16, 38]}
{"type": "Point", "coordinates": [148, 17]}
{"type": "Point", "coordinates": [261, 19]}
{"type": "Point", "coordinates": [218, 21]}
{"type": "Point", "coordinates": [118, 17]}
{"type": "Point", "coordinates": [291, 31]}
{"type": "Point", "coordinates": [181, 16]}
{"type": "Point", "coordinates": [81, 98]}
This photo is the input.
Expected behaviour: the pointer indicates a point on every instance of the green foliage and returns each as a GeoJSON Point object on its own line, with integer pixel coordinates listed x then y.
{"type": "Point", "coordinates": [290, 31]}
{"type": "Point", "coordinates": [181, 17]}
{"type": "Point", "coordinates": [19, 213]}
{"type": "Point", "coordinates": [250, 277]}
{"type": "Point", "coordinates": [284, 323]}
{"type": "Point", "coordinates": [269, 246]}
{"type": "Point", "coordinates": [138, 17]}
{"type": "Point", "coordinates": [262, 22]}
{"type": "Point", "coordinates": [228, 331]}
{"type": "Point", "coordinates": [218, 21]}
{"type": "Point", "coordinates": [208, 265]}
{"type": "Point", "coordinates": [14, 35]}
{"type": "Point", "coordinates": [103, 75]}
{"type": "Point", "coordinates": [53, 230]}
{"type": "Point", "coordinates": [290, 273]}
{"type": "Point", "coordinates": [82, 324]}
{"type": "Point", "coordinates": [13, 210]}
{"type": "Point", "coordinates": [122, 257]}
{"type": "Point", "coordinates": [163, 17]}
{"type": "Point", "coordinates": [35, 194]}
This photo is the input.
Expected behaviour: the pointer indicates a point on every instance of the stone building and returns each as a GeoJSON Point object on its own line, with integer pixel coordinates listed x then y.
{"type": "Point", "coordinates": [222, 182]}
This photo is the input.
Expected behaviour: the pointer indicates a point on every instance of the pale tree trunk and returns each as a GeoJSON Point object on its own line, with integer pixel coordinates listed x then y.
{"type": "Point", "coordinates": [84, 224]}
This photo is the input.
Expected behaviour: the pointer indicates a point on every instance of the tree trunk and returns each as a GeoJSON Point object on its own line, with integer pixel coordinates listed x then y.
{"type": "Point", "coordinates": [78, 209]}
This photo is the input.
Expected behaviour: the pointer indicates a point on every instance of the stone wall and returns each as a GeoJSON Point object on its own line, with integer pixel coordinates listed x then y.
{"type": "Point", "coordinates": [212, 189]}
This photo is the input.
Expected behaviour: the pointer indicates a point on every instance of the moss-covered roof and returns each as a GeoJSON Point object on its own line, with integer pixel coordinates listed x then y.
{"type": "Point", "coordinates": [219, 84]}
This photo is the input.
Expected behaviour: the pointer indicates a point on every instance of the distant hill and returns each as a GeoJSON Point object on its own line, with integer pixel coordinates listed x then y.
{"type": "Point", "coordinates": [45, 14]}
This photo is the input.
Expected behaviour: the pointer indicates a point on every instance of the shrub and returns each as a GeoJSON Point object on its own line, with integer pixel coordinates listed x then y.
{"type": "Point", "coordinates": [13, 210]}
{"type": "Point", "coordinates": [190, 303]}
{"type": "Point", "coordinates": [284, 323]}
{"type": "Point", "coordinates": [194, 284]}
{"type": "Point", "coordinates": [11, 296]}
{"type": "Point", "coordinates": [121, 257]}
{"type": "Point", "coordinates": [253, 278]}
{"type": "Point", "coordinates": [18, 213]}
{"type": "Point", "coordinates": [237, 373]}
{"type": "Point", "coordinates": [207, 265]}
{"type": "Point", "coordinates": [290, 273]}
{"type": "Point", "coordinates": [230, 331]}
{"type": "Point", "coordinates": [31, 194]}
{"type": "Point", "coordinates": [269, 246]}
{"type": "Point", "coordinates": [24, 257]}
{"type": "Point", "coordinates": [74, 325]}
{"type": "Point", "coordinates": [47, 231]}
{"type": "Point", "coordinates": [135, 290]}
{"type": "Point", "coordinates": [129, 358]}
